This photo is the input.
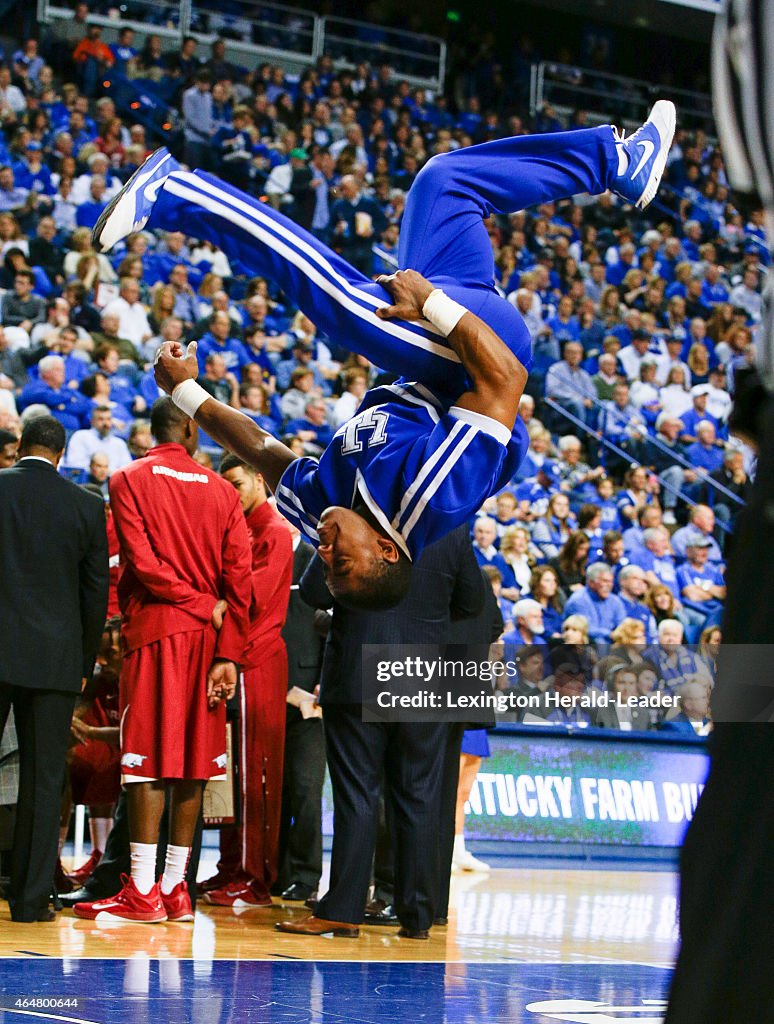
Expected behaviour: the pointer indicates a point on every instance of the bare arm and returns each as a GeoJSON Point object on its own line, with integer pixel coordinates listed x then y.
{"type": "Point", "coordinates": [497, 375]}
{"type": "Point", "coordinates": [230, 428]}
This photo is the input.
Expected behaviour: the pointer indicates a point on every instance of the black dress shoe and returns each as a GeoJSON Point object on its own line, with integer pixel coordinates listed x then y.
{"type": "Point", "coordinates": [379, 912]}
{"type": "Point", "coordinates": [298, 891]}
{"type": "Point", "coordinates": [440, 922]}
{"type": "Point", "coordinates": [82, 895]}
{"type": "Point", "coordinates": [414, 933]}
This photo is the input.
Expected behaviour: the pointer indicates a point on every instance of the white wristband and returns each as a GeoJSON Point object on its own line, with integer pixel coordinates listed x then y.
{"type": "Point", "coordinates": [188, 396]}
{"type": "Point", "coordinates": [442, 312]}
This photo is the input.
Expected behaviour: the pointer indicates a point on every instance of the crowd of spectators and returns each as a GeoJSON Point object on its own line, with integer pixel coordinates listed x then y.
{"type": "Point", "coordinates": [640, 321]}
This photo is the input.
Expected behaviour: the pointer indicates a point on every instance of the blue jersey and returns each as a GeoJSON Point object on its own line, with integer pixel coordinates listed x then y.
{"type": "Point", "coordinates": [421, 465]}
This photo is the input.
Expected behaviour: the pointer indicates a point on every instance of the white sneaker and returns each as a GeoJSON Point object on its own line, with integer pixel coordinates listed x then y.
{"type": "Point", "coordinates": [130, 209]}
{"type": "Point", "coordinates": [467, 862]}
{"type": "Point", "coordinates": [668, 518]}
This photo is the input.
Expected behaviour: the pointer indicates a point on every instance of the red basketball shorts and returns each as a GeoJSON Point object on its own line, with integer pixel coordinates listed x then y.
{"type": "Point", "coordinates": [167, 729]}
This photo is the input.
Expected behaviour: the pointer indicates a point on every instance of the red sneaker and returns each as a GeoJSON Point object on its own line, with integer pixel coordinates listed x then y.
{"type": "Point", "coordinates": [216, 881]}
{"type": "Point", "coordinates": [128, 905]}
{"type": "Point", "coordinates": [237, 894]}
{"type": "Point", "coordinates": [178, 903]}
{"type": "Point", "coordinates": [84, 871]}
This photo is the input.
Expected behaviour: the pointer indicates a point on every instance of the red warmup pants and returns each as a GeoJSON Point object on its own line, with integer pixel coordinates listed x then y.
{"type": "Point", "coordinates": [252, 847]}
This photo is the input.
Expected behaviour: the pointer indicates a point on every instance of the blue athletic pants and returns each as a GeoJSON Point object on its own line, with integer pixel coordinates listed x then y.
{"type": "Point", "coordinates": [443, 236]}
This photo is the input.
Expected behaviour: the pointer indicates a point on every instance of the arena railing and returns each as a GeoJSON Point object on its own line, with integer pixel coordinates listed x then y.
{"type": "Point", "coordinates": [255, 32]}
{"type": "Point", "coordinates": [651, 439]}
{"type": "Point", "coordinates": [598, 438]}
{"type": "Point", "coordinates": [605, 95]}
{"type": "Point", "coordinates": [421, 59]}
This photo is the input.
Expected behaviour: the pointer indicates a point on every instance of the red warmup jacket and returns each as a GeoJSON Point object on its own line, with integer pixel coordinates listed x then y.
{"type": "Point", "coordinates": [271, 577]}
{"type": "Point", "coordinates": [114, 554]}
{"type": "Point", "coordinates": [184, 545]}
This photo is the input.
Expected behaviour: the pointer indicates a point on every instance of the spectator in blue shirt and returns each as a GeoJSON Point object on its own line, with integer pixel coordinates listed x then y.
{"type": "Point", "coordinates": [88, 213]}
{"type": "Point", "coordinates": [357, 221]}
{"type": "Point", "coordinates": [674, 662]}
{"type": "Point", "coordinates": [693, 719]}
{"type": "Point", "coordinates": [313, 428]}
{"type": "Point", "coordinates": [627, 260]}
{"type": "Point", "coordinates": [533, 495]}
{"type": "Point", "coordinates": [603, 609]}
{"type": "Point", "coordinates": [124, 52]}
{"type": "Point", "coordinates": [656, 559]}
{"type": "Point", "coordinates": [702, 587]}
{"type": "Point", "coordinates": [31, 173]}
{"type": "Point", "coordinates": [632, 589]}
{"type": "Point", "coordinates": [69, 406]}
{"type": "Point", "coordinates": [704, 453]}
{"type": "Point", "coordinates": [701, 519]}
{"type": "Point", "coordinates": [694, 416]}
{"type": "Point", "coordinates": [528, 628]}
{"type": "Point", "coordinates": [219, 340]}
{"type": "Point", "coordinates": [485, 550]}
{"type": "Point", "coordinates": [568, 384]}
{"type": "Point", "coordinates": [76, 367]}
{"type": "Point", "coordinates": [713, 290]}
{"type": "Point", "coordinates": [623, 424]}
{"type": "Point", "coordinates": [122, 375]}
{"type": "Point", "coordinates": [564, 326]}
{"type": "Point", "coordinates": [610, 518]}
{"type": "Point", "coordinates": [302, 358]}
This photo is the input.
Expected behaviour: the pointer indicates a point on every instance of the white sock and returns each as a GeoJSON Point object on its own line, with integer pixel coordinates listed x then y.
{"type": "Point", "coordinates": [174, 867]}
{"type": "Point", "coordinates": [143, 866]}
{"type": "Point", "coordinates": [100, 829]}
{"type": "Point", "coordinates": [459, 847]}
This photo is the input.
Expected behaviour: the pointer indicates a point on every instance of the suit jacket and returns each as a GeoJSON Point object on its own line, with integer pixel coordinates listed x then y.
{"type": "Point", "coordinates": [446, 584]}
{"type": "Point", "coordinates": [304, 643]}
{"type": "Point", "coordinates": [53, 578]}
{"type": "Point", "coordinates": [607, 718]}
{"type": "Point", "coordinates": [477, 633]}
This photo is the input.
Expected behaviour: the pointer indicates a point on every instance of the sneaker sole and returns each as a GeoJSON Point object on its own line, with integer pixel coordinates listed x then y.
{"type": "Point", "coordinates": [240, 904]}
{"type": "Point", "coordinates": [113, 204]}
{"type": "Point", "coordinates": [664, 117]}
{"type": "Point", "coordinates": [183, 917]}
{"type": "Point", "coordinates": [107, 915]}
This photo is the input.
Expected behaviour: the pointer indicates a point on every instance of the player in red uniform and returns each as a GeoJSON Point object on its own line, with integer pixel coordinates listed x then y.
{"type": "Point", "coordinates": [185, 595]}
{"type": "Point", "coordinates": [249, 854]}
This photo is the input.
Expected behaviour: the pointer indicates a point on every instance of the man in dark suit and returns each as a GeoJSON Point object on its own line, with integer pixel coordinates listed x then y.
{"type": "Point", "coordinates": [53, 602]}
{"type": "Point", "coordinates": [477, 634]}
{"type": "Point", "coordinates": [304, 771]}
{"type": "Point", "coordinates": [446, 584]}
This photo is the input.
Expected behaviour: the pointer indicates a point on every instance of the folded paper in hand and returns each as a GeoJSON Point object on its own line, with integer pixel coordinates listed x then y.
{"type": "Point", "coordinates": [305, 701]}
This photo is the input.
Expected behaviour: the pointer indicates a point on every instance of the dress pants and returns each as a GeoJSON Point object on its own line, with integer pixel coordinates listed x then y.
{"type": "Point", "coordinates": [409, 758]}
{"type": "Point", "coordinates": [300, 842]}
{"type": "Point", "coordinates": [443, 236]}
{"type": "Point", "coordinates": [447, 813]}
{"type": "Point", "coordinates": [384, 874]}
{"type": "Point", "coordinates": [43, 729]}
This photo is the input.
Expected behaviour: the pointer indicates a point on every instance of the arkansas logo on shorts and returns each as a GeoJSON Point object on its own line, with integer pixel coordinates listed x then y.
{"type": "Point", "coordinates": [133, 760]}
